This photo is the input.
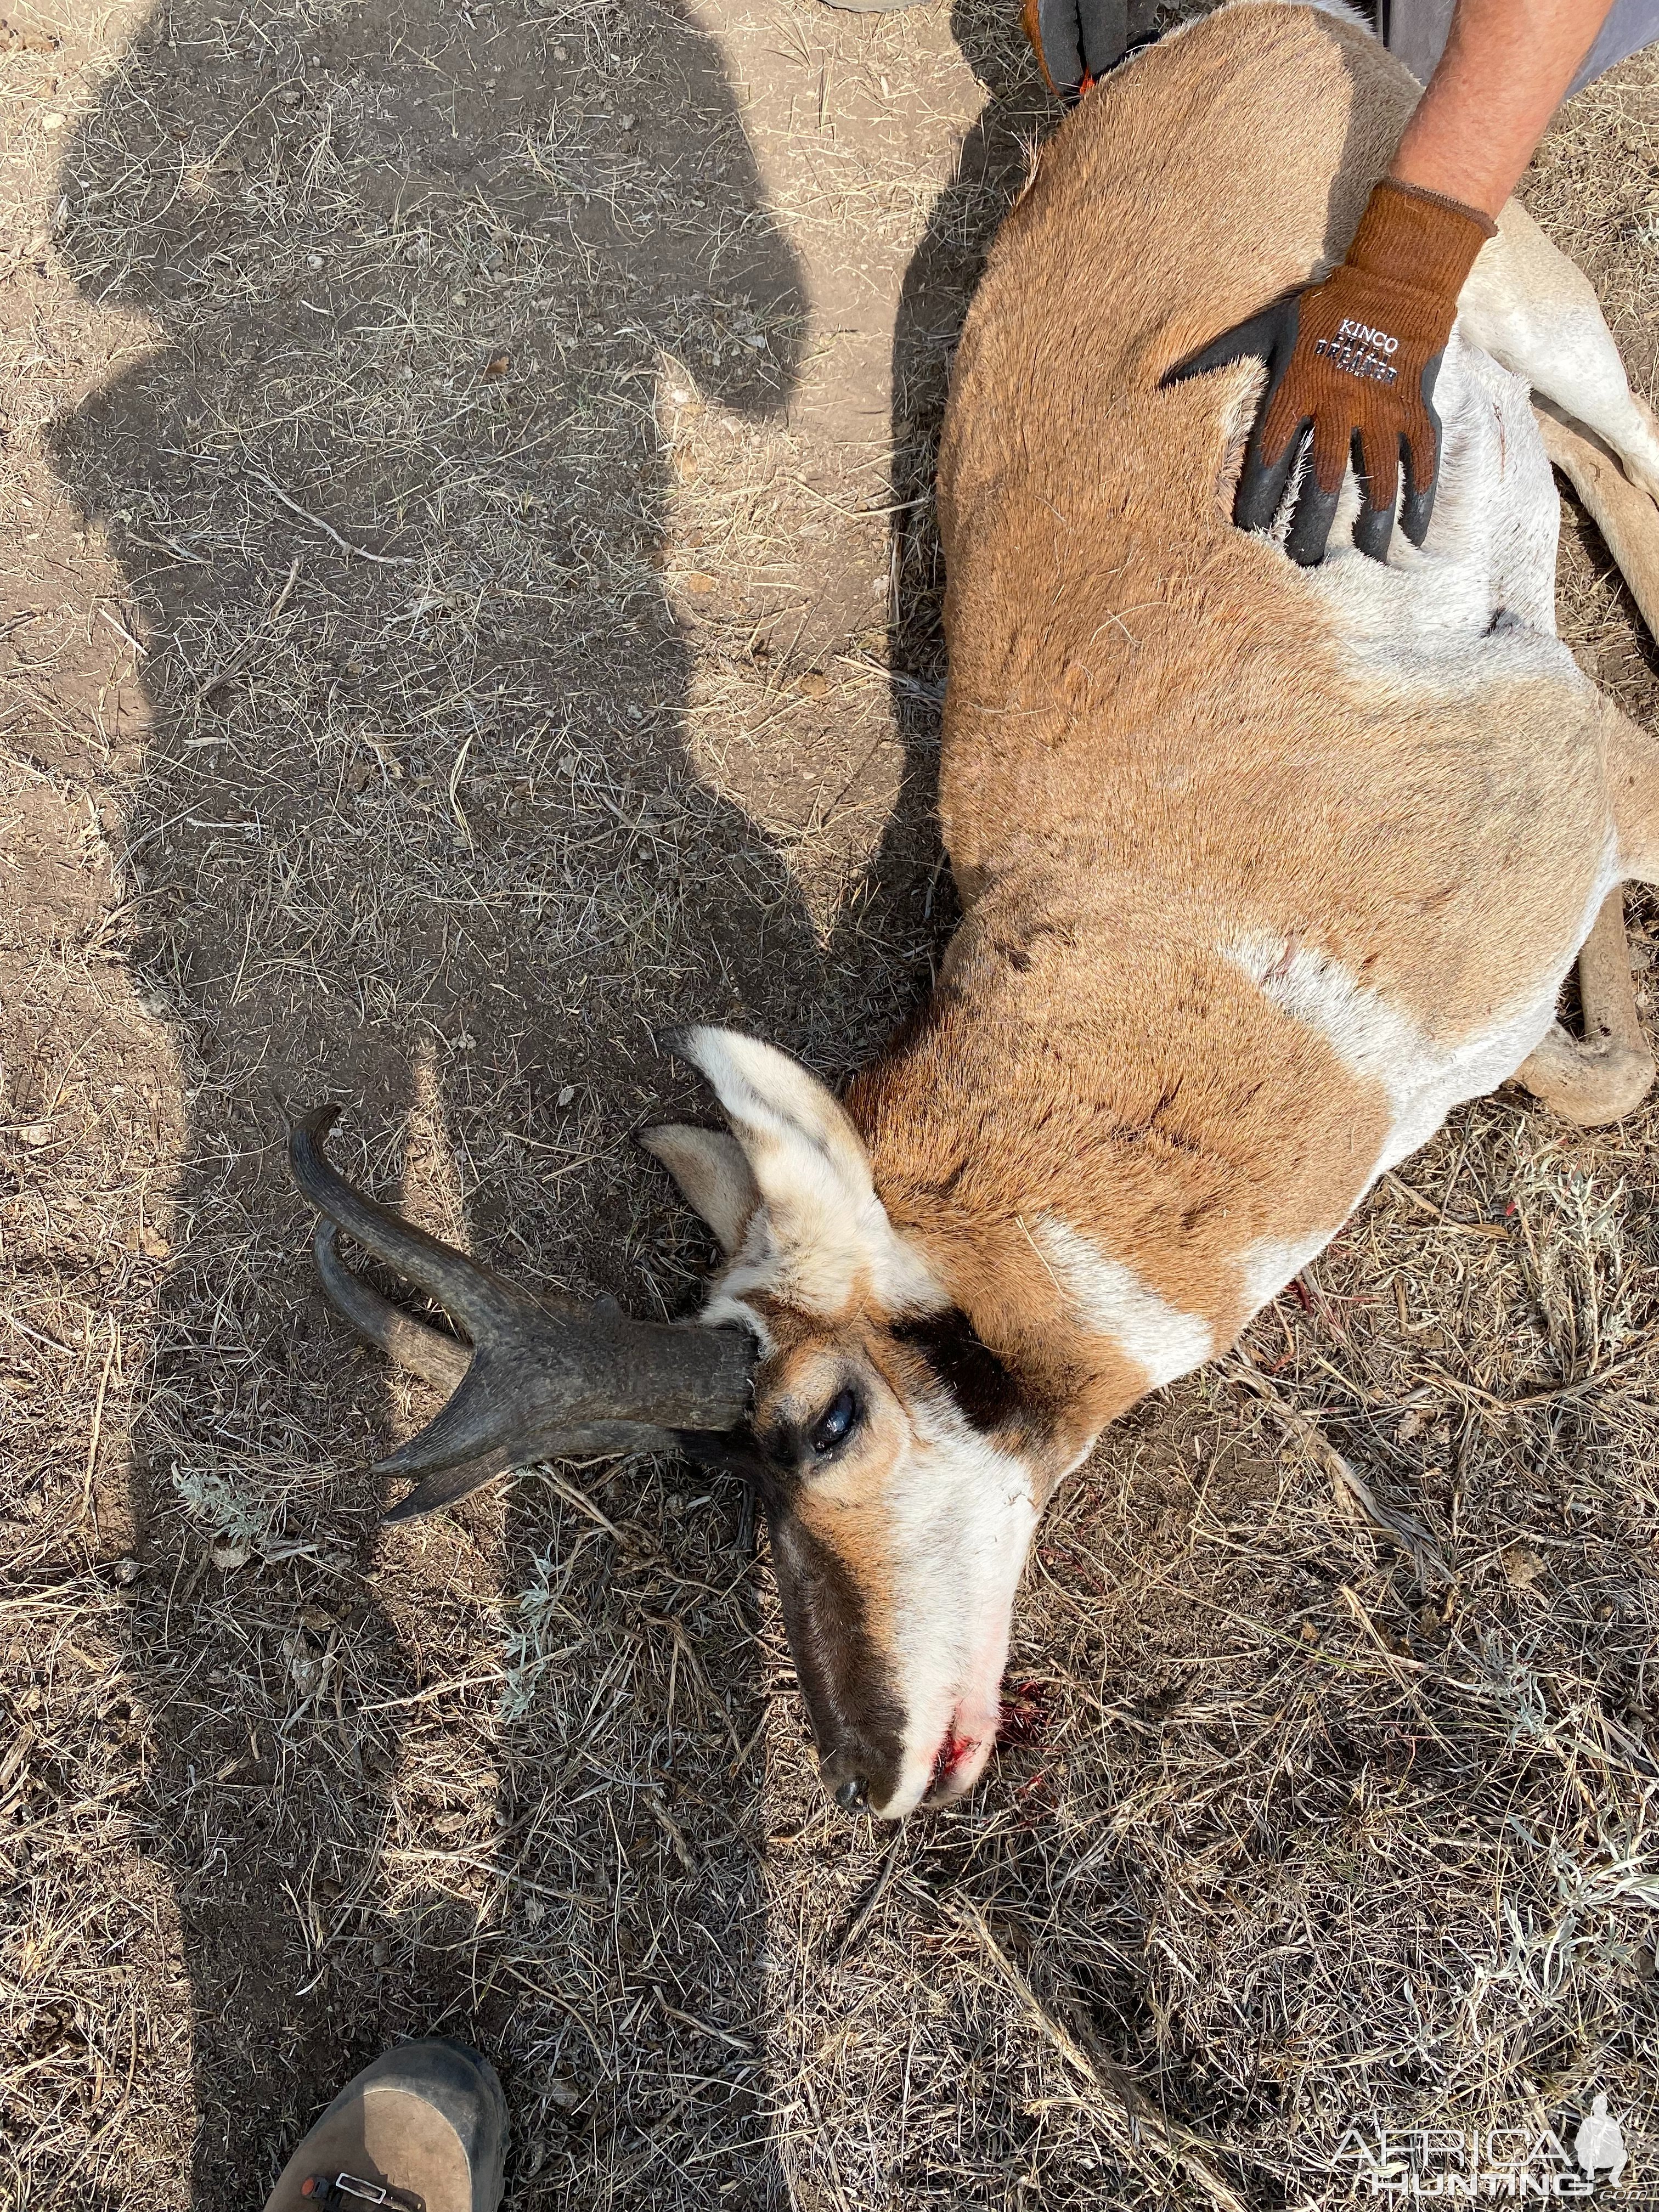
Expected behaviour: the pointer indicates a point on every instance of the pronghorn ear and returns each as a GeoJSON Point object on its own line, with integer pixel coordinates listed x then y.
{"type": "Point", "coordinates": [806, 1160]}
{"type": "Point", "coordinates": [713, 1176]}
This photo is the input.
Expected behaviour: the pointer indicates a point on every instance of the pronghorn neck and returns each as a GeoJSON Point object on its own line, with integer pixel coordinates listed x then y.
{"type": "Point", "coordinates": [1109, 1196]}
{"type": "Point", "coordinates": [1085, 1238]}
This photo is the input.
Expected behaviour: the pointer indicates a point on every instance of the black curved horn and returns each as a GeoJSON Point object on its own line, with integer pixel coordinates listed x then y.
{"type": "Point", "coordinates": [537, 1382]}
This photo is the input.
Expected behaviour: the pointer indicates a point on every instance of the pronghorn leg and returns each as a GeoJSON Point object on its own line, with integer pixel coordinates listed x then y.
{"type": "Point", "coordinates": [1624, 514]}
{"type": "Point", "coordinates": [1533, 310]}
{"type": "Point", "coordinates": [1607, 1073]}
{"type": "Point", "coordinates": [1632, 771]}
{"type": "Point", "coordinates": [1529, 307]}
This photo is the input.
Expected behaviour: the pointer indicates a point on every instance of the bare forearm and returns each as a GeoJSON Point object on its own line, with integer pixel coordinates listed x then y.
{"type": "Point", "coordinates": [1506, 67]}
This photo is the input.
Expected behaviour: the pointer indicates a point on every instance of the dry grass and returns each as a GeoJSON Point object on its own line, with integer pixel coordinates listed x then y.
{"type": "Point", "coordinates": [471, 601]}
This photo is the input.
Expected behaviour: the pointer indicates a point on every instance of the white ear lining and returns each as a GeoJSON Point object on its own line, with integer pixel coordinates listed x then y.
{"type": "Point", "coordinates": [772, 1103]}
{"type": "Point", "coordinates": [827, 1234]}
{"type": "Point", "coordinates": [713, 1176]}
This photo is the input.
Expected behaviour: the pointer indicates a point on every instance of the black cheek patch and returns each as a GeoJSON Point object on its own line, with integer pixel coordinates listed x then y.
{"type": "Point", "coordinates": [989, 1393]}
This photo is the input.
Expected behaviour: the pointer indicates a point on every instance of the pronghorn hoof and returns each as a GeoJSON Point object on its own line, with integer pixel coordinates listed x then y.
{"type": "Point", "coordinates": [1589, 1084]}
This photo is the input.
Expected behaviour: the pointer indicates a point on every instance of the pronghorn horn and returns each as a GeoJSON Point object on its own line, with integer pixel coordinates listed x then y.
{"type": "Point", "coordinates": [537, 1384]}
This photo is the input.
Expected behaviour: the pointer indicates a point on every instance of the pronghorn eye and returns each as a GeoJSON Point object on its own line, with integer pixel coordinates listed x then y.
{"type": "Point", "coordinates": [836, 1423]}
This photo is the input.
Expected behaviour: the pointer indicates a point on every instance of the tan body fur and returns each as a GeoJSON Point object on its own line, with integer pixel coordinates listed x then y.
{"type": "Point", "coordinates": [1152, 735]}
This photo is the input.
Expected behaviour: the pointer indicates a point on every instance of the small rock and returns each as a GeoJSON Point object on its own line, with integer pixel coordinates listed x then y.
{"type": "Point", "coordinates": [230, 1553]}
{"type": "Point", "coordinates": [54, 119]}
{"type": "Point", "coordinates": [566, 1092]}
{"type": "Point", "coordinates": [35, 1133]}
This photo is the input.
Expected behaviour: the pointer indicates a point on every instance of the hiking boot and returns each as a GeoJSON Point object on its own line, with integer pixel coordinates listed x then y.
{"type": "Point", "coordinates": [422, 2129]}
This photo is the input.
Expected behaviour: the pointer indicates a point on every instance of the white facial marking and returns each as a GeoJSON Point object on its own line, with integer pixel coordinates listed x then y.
{"type": "Point", "coordinates": [962, 1513]}
{"type": "Point", "coordinates": [1109, 1299]}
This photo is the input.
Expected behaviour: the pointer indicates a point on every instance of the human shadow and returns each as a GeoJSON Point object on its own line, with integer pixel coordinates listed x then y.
{"type": "Point", "coordinates": [415, 823]}
{"type": "Point", "coordinates": [909, 896]}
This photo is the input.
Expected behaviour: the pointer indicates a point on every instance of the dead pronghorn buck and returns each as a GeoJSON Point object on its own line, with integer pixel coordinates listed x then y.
{"type": "Point", "coordinates": [1264, 869]}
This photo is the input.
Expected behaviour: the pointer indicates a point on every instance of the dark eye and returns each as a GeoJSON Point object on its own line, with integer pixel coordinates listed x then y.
{"type": "Point", "coordinates": [836, 1423]}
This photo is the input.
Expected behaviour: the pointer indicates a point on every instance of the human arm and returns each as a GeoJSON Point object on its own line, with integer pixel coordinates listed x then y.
{"type": "Point", "coordinates": [1505, 70]}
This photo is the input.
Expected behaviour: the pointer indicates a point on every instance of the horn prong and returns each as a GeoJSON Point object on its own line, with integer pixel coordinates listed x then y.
{"type": "Point", "coordinates": [478, 1300]}
{"type": "Point", "coordinates": [436, 1358]}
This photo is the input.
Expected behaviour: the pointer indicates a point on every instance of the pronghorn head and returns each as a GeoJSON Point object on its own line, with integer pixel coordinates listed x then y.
{"type": "Point", "coordinates": [901, 1464]}
{"type": "Point", "coordinates": [902, 1471]}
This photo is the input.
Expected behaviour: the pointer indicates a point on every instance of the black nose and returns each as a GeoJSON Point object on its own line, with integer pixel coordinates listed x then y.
{"type": "Point", "coordinates": [844, 1779]}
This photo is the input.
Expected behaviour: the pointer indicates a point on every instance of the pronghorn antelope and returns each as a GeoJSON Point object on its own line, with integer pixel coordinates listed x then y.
{"type": "Point", "coordinates": [1264, 869]}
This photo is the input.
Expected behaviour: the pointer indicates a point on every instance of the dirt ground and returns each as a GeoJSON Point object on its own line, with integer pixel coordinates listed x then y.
{"type": "Point", "coordinates": [468, 601]}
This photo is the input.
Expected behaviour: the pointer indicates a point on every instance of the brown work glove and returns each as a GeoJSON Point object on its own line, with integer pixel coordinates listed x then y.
{"type": "Point", "coordinates": [1351, 364]}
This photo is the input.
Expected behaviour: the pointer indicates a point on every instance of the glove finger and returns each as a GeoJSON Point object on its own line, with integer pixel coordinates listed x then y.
{"type": "Point", "coordinates": [1310, 523]}
{"type": "Point", "coordinates": [1377, 465]}
{"type": "Point", "coordinates": [1316, 503]}
{"type": "Point", "coordinates": [1420, 450]}
{"type": "Point", "coordinates": [1261, 480]}
{"type": "Point", "coordinates": [1267, 337]}
{"type": "Point", "coordinates": [1328, 458]}
{"type": "Point", "coordinates": [1105, 27]}
{"type": "Point", "coordinates": [1056, 40]}
{"type": "Point", "coordinates": [1373, 531]}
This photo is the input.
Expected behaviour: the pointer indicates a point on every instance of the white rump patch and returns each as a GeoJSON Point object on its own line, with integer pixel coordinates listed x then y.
{"type": "Point", "coordinates": [1109, 1299]}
